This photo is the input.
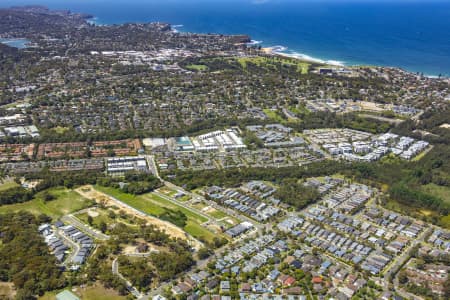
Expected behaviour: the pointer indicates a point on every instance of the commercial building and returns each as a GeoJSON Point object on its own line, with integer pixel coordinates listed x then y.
{"type": "Point", "coordinates": [120, 165]}
{"type": "Point", "coordinates": [22, 131]}
{"type": "Point", "coordinates": [219, 140]}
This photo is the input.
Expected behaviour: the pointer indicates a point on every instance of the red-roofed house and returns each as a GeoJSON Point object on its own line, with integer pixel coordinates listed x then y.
{"type": "Point", "coordinates": [317, 279]}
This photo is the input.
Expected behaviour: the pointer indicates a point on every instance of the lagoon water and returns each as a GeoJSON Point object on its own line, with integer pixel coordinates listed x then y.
{"type": "Point", "coordinates": [16, 43]}
{"type": "Point", "coordinates": [411, 34]}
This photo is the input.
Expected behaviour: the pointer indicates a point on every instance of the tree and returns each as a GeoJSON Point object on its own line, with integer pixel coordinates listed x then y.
{"type": "Point", "coordinates": [47, 196]}
{"type": "Point", "coordinates": [204, 253]}
{"type": "Point", "coordinates": [219, 242]}
{"type": "Point", "coordinates": [103, 226]}
{"type": "Point", "coordinates": [42, 218]}
{"type": "Point", "coordinates": [25, 258]}
{"type": "Point", "coordinates": [112, 215]}
{"type": "Point", "coordinates": [111, 152]}
{"type": "Point", "coordinates": [402, 277]}
{"type": "Point", "coordinates": [447, 288]}
{"type": "Point", "coordinates": [420, 264]}
{"type": "Point", "coordinates": [90, 220]}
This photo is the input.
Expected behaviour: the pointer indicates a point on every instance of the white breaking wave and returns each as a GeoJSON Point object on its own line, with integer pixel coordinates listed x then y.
{"type": "Point", "coordinates": [254, 42]}
{"type": "Point", "coordinates": [335, 62]}
{"type": "Point", "coordinates": [176, 26]}
{"type": "Point", "coordinates": [281, 50]}
{"type": "Point", "coordinates": [93, 21]}
{"type": "Point", "coordinates": [277, 49]}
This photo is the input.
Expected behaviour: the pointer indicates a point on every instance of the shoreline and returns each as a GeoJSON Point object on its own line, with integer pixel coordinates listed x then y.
{"type": "Point", "coordinates": [272, 50]}
{"type": "Point", "coordinates": [280, 50]}
{"type": "Point", "coordinates": [283, 51]}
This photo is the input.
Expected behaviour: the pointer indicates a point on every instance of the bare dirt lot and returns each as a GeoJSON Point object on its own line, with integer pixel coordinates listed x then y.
{"type": "Point", "coordinates": [92, 213]}
{"type": "Point", "coordinates": [7, 290]}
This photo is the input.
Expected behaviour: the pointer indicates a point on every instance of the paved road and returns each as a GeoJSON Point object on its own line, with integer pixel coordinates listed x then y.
{"type": "Point", "coordinates": [85, 228]}
{"type": "Point", "coordinates": [75, 247]}
{"type": "Point", "coordinates": [130, 287]}
{"type": "Point", "coordinates": [417, 117]}
{"type": "Point", "coordinates": [403, 258]}
{"type": "Point", "coordinates": [289, 114]}
{"type": "Point", "coordinates": [152, 165]}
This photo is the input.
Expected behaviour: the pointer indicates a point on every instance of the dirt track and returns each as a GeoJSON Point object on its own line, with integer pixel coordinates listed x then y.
{"type": "Point", "coordinates": [89, 192]}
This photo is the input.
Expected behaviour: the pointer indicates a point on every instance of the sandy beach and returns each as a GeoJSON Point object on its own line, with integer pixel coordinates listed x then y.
{"type": "Point", "coordinates": [279, 50]}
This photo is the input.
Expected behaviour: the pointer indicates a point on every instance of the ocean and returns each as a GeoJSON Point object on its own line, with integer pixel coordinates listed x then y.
{"type": "Point", "coordinates": [411, 34]}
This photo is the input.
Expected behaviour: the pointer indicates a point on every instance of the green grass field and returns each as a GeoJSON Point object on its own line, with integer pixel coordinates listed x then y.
{"type": "Point", "coordinates": [390, 159]}
{"type": "Point", "coordinates": [199, 205]}
{"type": "Point", "coordinates": [67, 201]}
{"type": "Point", "coordinates": [422, 154]}
{"type": "Point", "coordinates": [217, 214]}
{"type": "Point", "coordinates": [168, 204]}
{"type": "Point", "coordinates": [199, 232]}
{"type": "Point", "coordinates": [184, 198]}
{"type": "Point", "coordinates": [167, 191]}
{"type": "Point", "coordinates": [445, 221]}
{"type": "Point", "coordinates": [95, 292]}
{"type": "Point", "coordinates": [48, 296]}
{"type": "Point", "coordinates": [302, 66]}
{"type": "Point", "coordinates": [197, 67]}
{"type": "Point", "coordinates": [7, 185]}
{"type": "Point", "coordinates": [100, 293]}
{"type": "Point", "coordinates": [442, 192]}
{"type": "Point", "coordinates": [255, 60]}
{"type": "Point", "coordinates": [227, 224]}
{"type": "Point", "coordinates": [103, 216]}
{"type": "Point", "coordinates": [136, 201]}
{"type": "Point", "coordinates": [271, 114]}
{"type": "Point", "coordinates": [60, 129]}
{"type": "Point", "coordinates": [299, 110]}
{"type": "Point", "coordinates": [393, 205]}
